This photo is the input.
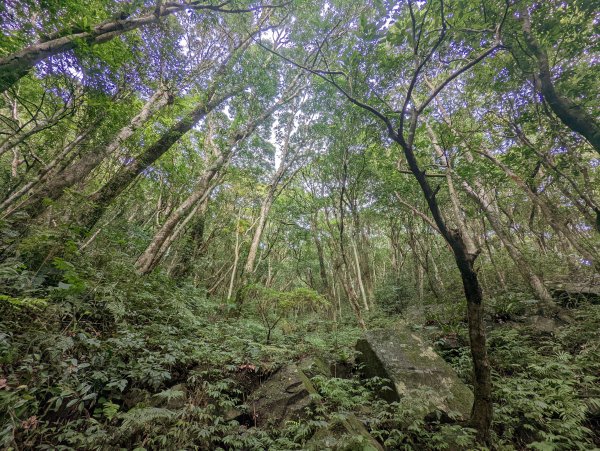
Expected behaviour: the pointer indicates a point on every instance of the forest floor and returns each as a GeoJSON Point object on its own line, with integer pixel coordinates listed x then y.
{"type": "Point", "coordinates": [98, 359]}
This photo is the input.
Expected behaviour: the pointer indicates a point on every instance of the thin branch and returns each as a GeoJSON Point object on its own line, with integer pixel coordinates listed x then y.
{"type": "Point", "coordinates": [321, 75]}
{"type": "Point", "coordinates": [418, 212]}
{"type": "Point", "coordinates": [455, 74]}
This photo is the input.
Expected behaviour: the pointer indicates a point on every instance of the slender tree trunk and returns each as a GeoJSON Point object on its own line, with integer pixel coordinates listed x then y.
{"type": "Point", "coordinates": [584, 202]}
{"type": "Point", "coordinates": [24, 132]}
{"type": "Point", "coordinates": [271, 195]}
{"type": "Point", "coordinates": [435, 282]}
{"type": "Point", "coordinates": [530, 277]}
{"type": "Point", "coordinates": [8, 206]}
{"type": "Point", "coordinates": [53, 187]}
{"type": "Point", "coordinates": [418, 267]}
{"type": "Point", "coordinates": [236, 258]}
{"type": "Point", "coordinates": [359, 276]}
{"type": "Point", "coordinates": [486, 204]}
{"type": "Point", "coordinates": [195, 244]}
{"type": "Point", "coordinates": [436, 273]}
{"type": "Point", "coordinates": [352, 298]}
{"type": "Point", "coordinates": [265, 208]}
{"type": "Point", "coordinates": [149, 259]}
{"type": "Point", "coordinates": [481, 416]}
{"type": "Point", "coordinates": [156, 249]}
{"type": "Point", "coordinates": [499, 273]}
{"type": "Point", "coordinates": [102, 198]}
{"type": "Point", "coordinates": [341, 267]}
{"type": "Point", "coordinates": [321, 257]}
{"type": "Point", "coordinates": [548, 212]}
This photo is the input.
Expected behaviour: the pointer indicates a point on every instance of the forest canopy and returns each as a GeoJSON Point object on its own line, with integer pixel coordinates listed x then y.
{"type": "Point", "coordinates": [198, 197]}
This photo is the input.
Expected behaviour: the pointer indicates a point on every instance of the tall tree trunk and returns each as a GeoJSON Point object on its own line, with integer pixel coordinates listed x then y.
{"type": "Point", "coordinates": [359, 275]}
{"type": "Point", "coordinates": [265, 207]}
{"type": "Point", "coordinates": [16, 65]}
{"type": "Point", "coordinates": [270, 196]}
{"type": "Point", "coordinates": [499, 273]}
{"type": "Point", "coordinates": [195, 244]}
{"type": "Point", "coordinates": [236, 257]}
{"type": "Point", "coordinates": [340, 266]}
{"type": "Point", "coordinates": [321, 257]}
{"type": "Point", "coordinates": [481, 415]}
{"type": "Point", "coordinates": [48, 171]}
{"type": "Point", "coordinates": [435, 282]}
{"type": "Point", "coordinates": [53, 187]}
{"type": "Point", "coordinates": [584, 201]}
{"type": "Point", "coordinates": [571, 114]}
{"type": "Point", "coordinates": [149, 259]}
{"type": "Point", "coordinates": [156, 249]}
{"type": "Point", "coordinates": [525, 270]}
{"type": "Point", "coordinates": [22, 134]}
{"type": "Point", "coordinates": [486, 205]}
{"type": "Point", "coordinates": [102, 198]}
{"type": "Point", "coordinates": [587, 252]}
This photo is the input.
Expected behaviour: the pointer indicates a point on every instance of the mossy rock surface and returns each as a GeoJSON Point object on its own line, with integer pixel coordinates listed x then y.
{"type": "Point", "coordinates": [286, 395]}
{"type": "Point", "coordinates": [409, 363]}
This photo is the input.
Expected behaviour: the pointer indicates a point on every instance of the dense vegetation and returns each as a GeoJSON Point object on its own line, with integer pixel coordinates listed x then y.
{"type": "Point", "coordinates": [195, 194]}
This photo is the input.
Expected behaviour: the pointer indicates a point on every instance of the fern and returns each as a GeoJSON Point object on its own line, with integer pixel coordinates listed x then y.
{"type": "Point", "coordinates": [138, 418]}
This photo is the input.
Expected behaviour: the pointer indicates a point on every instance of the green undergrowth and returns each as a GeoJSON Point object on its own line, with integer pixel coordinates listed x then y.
{"type": "Point", "coordinates": [90, 357]}
{"type": "Point", "coordinates": [545, 381]}
{"type": "Point", "coordinates": [98, 358]}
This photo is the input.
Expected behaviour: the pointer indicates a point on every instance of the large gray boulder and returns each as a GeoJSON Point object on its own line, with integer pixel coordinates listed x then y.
{"type": "Point", "coordinates": [409, 363]}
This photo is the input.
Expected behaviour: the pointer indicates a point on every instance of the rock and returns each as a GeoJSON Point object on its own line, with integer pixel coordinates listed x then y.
{"type": "Point", "coordinates": [542, 324]}
{"type": "Point", "coordinates": [448, 342]}
{"type": "Point", "coordinates": [573, 292]}
{"type": "Point", "coordinates": [350, 432]}
{"type": "Point", "coordinates": [135, 396]}
{"type": "Point", "coordinates": [403, 357]}
{"type": "Point", "coordinates": [174, 398]}
{"type": "Point", "coordinates": [286, 394]}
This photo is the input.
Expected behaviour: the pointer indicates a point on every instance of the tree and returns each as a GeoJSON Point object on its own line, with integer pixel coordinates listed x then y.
{"type": "Point", "coordinates": [16, 65]}
{"type": "Point", "coordinates": [423, 22]}
{"type": "Point", "coordinates": [569, 112]}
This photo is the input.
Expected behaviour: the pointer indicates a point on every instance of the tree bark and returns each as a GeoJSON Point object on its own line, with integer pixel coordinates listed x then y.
{"type": "Point", "coordinates": [260, 226]}
{"type": "Point", "coordinates": [486, 205]}
{"type": "Point", "coordinates": [481, 415]}
{"type": "Point", "coordinates": [55, 186]}
{"type": "Point", "coordinates": [547, 211]}
{"type": "Point", "coordinates": [195, 244]}
{"type": "Point", "coordinates": [15, 66]}
{"type": "Point", "coordinates": [359, 276]}
{"type": "Point", "coordinates": [525, 270]}
{"type": "Point", "coordinates": [571, 114]}
{"type": "Point", "coordinates": [156, 249]}
{"type": "Point", "coordinates": [151, 256]}
{"type": "Point", "coordinates": [321, 256]}
{"type": "Point", "coordinates": [270, 196]}
{"type": "Point", "coordinates": [102, 198]}
{"type": "Point", "coordinates": [48, 171]}
{"type": "Point", "coordinates": [21, 135]}
{"type": "Point", "coordinates": [236, 258]}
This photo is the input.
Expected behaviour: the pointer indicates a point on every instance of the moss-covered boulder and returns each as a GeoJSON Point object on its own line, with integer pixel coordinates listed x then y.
{"type": "Point", "coordinates": [409, 363]}
{"type": "Point", "coordinates": [572, 293]}
{"type": "Point", "coordinates": [286, 394]}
